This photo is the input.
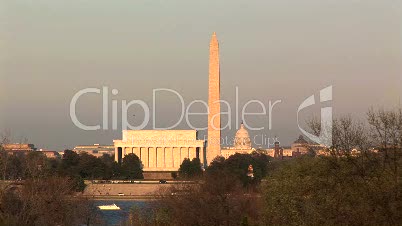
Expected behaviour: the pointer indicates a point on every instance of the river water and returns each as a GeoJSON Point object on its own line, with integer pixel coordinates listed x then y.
{"type": "Point", "coordinates": [115, 217]}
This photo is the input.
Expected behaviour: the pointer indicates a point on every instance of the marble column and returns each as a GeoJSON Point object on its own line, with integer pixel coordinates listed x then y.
{"type": "Point", "coordinates": [127, 150]}
{"type": "Point", "coordinates": [169, 159]}
{"type": "Point", "coordinates": [144, 157]}
{"type": "Point", "coordinates": [183, 155]}
{"type": "Point", "coordinates": [116, 154]}
{"type": "Point", "coordinates": [152, 157]}
{"type": "Point", "coordinates": [160, 157]}
{"type": "Point", "coordinates": [191, 153]}
{"type": "Point", "coordinates": [200, 154]}
{"type": "Point", "coordinates": [176, 157]}
{"type": "Point", "coordinates": [137, 152]}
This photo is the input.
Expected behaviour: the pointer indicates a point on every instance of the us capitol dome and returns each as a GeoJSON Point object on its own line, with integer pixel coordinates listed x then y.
{"type": "Point", "coordinates": [242, 139]}
{"type": "Point", "coordinates": [242, 143]}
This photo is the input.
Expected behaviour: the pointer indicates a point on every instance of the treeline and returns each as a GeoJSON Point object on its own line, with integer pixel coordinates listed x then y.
{"type": "Point", "coordinates": [236, 166]}
{"type": "Point", "coordinates": [355, 190]}
{"type": "Point", "coordinates": [90, 167]}
{"type": "Point", "coordinates": [321, 190]}
{"type": "Point", "coordinates": [225, 195]}
{"type": "Point", "coordinates": [50, 189]}
{"type": "Point", "coordinates": [357, 182]}
{"type": "Point", "coordinates": [76, 166]}
{"type": "Point", "coordinates": [45, 201]}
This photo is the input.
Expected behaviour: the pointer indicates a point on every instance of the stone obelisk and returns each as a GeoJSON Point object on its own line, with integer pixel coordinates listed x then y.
{"type": "Point", "coordinates": [214, 116]}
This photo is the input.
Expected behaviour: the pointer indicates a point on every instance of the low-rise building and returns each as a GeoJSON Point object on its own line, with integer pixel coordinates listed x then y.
{"type": "Point", "coordinates": [298, 148]}
{"type": "Point", "coordinates": [95, 150]}
{"type": "Point", "coordinates": [50, 154]}
{"type": "Point", "coordinates": [18, 148]}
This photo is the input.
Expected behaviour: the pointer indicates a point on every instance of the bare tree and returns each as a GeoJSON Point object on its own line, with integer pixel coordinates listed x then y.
{"type": "Point", "coordinates": [218, 200]}
{"type": "Point", "coordinates": [314, 124]}
{"type": "Point", "coordinates": [6, 136]}
{"type": "Point", "coordinates": [45, 201]}
{"type": "Point", "coordinates": [382, 131]}
{"type": "Point", "coordinates": [386, 133]}
{"type": "Point", "coordinates": [4, 157]}
{"type": "Point", "coordinates": [348, 135]}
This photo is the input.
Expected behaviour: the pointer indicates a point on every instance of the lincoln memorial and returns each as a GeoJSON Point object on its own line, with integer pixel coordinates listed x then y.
{"type": "Point", "coordinates": [160, 150]}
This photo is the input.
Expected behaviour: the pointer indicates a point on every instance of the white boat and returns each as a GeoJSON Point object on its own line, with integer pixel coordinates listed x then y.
{"type": "Point", "coordinates": [109, 207]}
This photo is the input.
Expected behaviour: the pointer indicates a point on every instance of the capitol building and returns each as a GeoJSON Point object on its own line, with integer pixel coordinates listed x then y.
{"type": "Point", "coordinates": [242, 144]}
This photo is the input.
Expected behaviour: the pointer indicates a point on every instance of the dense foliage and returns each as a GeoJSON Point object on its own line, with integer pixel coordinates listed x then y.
{"type": "Point", "coordinates": [333, 191]}
{"type": "Point", "coordinates": [190, 169]}
{"type": "Point", "coordinates": [222, 196]}
{"type": "Point", "coordinates": [43, 191]}
{"type": "Point", "coordinates": [356, 181]}
{"type": "Point", "coordinates": [45, 202]}
{"type": "Point", "coordinates": [131, 168]}
{"type": "Point", "coordinates": [72, 165]}
{"type": "Point", "coordinates": [237, 166]}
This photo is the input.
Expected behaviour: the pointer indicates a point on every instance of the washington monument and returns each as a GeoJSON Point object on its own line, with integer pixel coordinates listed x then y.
{"type": "Point", "coordinates": [214, 116]}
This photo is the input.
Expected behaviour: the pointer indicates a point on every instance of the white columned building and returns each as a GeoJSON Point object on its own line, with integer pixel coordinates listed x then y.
{"type": "Point", "coordinates": [160, 150]}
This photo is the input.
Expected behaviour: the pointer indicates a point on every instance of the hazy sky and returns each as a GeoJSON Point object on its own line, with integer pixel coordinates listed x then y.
{"type": "Point", "coordinates": [272, 50]}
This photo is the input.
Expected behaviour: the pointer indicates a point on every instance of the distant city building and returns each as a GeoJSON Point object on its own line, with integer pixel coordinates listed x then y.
{"type": "Point", "coordinates": [50, 154]}
{"type": "Point", "coordinates": [17, 148]}
{"type": "Point", "coordinates": [298, 148]}
{"type": "Point", "coordinates": [160, 150]}
{"type": "Point", "coordinates": [301, 145]}
{"type": "Point", "coordinates": [95, 150]}
{"type": "Point", "coordinates": [242, 144]}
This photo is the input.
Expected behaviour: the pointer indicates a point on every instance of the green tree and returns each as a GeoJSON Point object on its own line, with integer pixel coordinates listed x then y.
{"type": "Point", "coordinates": [218, 200]}
{"type": "Point", "coordinates": [15, 167]}
{"type": "Point", "coordinates": [91, 167]}
{"type": "Point", "coordinates": [69, 164]}
{"type": "Point", "coordinates": [174, 175]}
{"type": "Point", "coordinates": [131, 167]}
{"type": "Point", "coordinates": [237, 166]}
{"type": "Point", "coordinates": [36, 165]}
{"type": "Point", "coordinates": [109, 165]}
{"type": "Point", "coordinates": [78, 183]}
{"type": "Point", "coordinates": [190, 169]}
{"type": "Point", "coordinates": [4, 157]}
{"type": "Point", "coordinates": [332, 191]}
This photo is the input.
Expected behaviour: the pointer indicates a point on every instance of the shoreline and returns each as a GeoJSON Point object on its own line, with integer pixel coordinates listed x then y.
{"type": "Point", "coordinates": [122, 198]}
